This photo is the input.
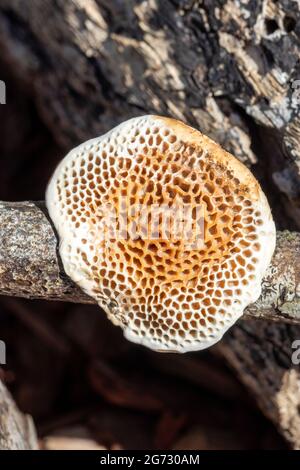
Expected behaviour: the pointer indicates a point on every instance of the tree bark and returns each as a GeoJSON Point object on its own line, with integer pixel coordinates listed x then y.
{"type": "Point", "coordinates": [17, 431]}
{"type": "Point", "coordinates": [228, 68]}
{"type": "Point", "coordinates": [261, 354]}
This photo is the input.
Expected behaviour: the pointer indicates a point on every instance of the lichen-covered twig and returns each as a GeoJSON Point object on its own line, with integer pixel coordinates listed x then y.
{"type": "Point", "coordinates": [30, 266]}
{"type": "Point", "coordinates": [236, 99]}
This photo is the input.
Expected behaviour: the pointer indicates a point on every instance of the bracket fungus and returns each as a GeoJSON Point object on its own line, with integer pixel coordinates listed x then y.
{"type": "Point", "coordinates": [174, 280]}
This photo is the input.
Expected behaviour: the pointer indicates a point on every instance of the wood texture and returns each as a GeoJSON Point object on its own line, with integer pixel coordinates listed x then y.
{"type": "Point", "coordinates": [228, 68]}
{"type": "Point", "coordinates": [17, 431]}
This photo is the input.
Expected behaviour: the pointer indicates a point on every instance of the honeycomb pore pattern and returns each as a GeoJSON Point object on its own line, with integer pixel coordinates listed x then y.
{"type": "Point", "coordinates": [167, 289]}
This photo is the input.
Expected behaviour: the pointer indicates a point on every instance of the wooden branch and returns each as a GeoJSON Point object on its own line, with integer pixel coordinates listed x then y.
{"type": "Point", "coordinates": [17, 431]}
{"type": "Point", "coordinates": [29, 263]}
{"type": "Point", "coordinates": [222, 70]}
{"type": "Point", "coordinates": [260, 353]}
{"type": "Point", "coordinates": [30, 266]}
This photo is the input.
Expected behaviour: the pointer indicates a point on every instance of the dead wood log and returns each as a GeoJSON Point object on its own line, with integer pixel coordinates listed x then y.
{"type": "Point", "coordinates": [17, 431]}
{"type": "Point", "coordinates": [261, 354]}
{"type": "Point", "coordinates": [228, 68]}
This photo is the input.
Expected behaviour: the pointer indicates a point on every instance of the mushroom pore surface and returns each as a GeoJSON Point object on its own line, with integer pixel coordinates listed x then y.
{"type": "Point", "coordinates": [115, 201]}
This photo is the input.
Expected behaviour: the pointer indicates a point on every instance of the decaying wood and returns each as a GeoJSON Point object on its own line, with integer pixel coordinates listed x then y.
{"type": "Point", "coordinates": [29, 262]}
{"type": "Point", "coordinates": [17, 431]}
{"type": "Point", "coordinates": [30, 266]}
{"type": "Point", "coordinates": [261, 353]}
{"type": "Point", "coordinates": [230, 69]}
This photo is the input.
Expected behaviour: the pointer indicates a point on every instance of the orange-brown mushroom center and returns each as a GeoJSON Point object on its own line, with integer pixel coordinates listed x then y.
{"type": "Point", "coordinates": [150, 184]}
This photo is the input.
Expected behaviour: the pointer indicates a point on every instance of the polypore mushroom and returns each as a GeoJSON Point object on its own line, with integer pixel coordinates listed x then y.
{"type": "Point", "coordinates": [169, 292]}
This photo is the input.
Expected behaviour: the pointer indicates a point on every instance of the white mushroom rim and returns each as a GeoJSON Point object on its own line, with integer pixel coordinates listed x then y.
{"type": "Point", "coordinates": [167, 231]}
